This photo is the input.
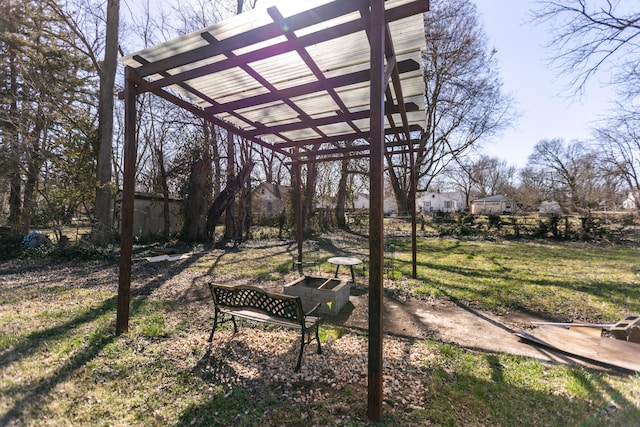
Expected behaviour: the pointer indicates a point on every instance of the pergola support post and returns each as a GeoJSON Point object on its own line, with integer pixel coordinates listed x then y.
{"type": "Point", "coordinates": [297, 197]}
{"type": "Point", "coordinates": [376, 210]}
{"type": "Point", "coordinates": [412, 205]}
{"type": "Point", "coordinates": [128, 196]}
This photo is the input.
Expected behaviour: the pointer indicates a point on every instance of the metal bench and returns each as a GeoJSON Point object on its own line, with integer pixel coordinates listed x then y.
{"type": "Point", "coordinates": [258, 305]}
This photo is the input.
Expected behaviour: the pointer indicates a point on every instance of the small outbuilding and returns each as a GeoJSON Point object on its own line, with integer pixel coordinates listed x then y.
{"type": "Point", "coordinates": [549, 208]}
{"type": "Point", "coordinates": [148, 214]}
{"type": "Point", "coordinates": [493, 205]}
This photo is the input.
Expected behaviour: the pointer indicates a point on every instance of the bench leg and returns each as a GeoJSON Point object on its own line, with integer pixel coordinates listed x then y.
{"type": "Point", "coordinates": [297, 369]}
{"type": "Point", "coordinates": [215, 323]}
{"type": "Point", "coordinates": [318, 340]}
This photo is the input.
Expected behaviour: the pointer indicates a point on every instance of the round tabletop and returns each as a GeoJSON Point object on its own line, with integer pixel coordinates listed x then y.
{"type": "Point", "coordinates": [344, 260]}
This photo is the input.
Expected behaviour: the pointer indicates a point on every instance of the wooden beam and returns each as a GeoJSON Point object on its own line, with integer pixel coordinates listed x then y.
{"type": "Point", "coordinates": [213, 119]}
{"type": "Point", "coordinates": [305, 89]}
{"type": "Point", "coordinates": [297, 188]}
{"type": "Point", "coordinates": [323, 121]}
{"type": "Point", "coordinates": [344, 137]}
{"type": "Point", "coordinates": [376, 211]}
{"type": "Point", "coordinates": [128, 197]}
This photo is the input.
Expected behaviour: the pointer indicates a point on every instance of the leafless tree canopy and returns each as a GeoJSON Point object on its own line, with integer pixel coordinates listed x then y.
{"type": "Point", "coordinates": [594, 35]}
{"type": "Point", "coordinates": [464, 99]}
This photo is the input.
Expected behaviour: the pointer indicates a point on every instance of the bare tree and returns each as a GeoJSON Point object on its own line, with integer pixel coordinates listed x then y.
{"type": "Point", "coordinates": [464, 102]}
{"type": "Point", "coordinates": [492, 176]}
{"type": "Point", "coordinates": [569, 171]}
{"type": "Point", "coordinates": [619, 147]}
{"type": "Point", "coordinates": [84, 20]}
{"type": "Point", "coordinates": [589, 36]}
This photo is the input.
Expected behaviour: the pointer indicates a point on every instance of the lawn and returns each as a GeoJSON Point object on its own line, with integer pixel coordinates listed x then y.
{"type": "Point", "coordinates": [61, 364]}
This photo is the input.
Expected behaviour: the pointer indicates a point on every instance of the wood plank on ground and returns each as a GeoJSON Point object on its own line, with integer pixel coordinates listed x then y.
{"type": "Point", "coordinates": [609, 351]}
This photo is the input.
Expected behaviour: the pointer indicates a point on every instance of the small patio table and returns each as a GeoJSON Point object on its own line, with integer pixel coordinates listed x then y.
{"type": "Point", "coordinates": [343, 260]}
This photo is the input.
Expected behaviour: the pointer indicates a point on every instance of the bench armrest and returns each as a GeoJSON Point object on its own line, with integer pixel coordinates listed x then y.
{"type": "Point", "coordinates": [313, 310]}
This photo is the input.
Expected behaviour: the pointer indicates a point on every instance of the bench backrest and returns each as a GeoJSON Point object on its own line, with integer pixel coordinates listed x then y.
{"type": "Point", "coordinates": [286, 307]}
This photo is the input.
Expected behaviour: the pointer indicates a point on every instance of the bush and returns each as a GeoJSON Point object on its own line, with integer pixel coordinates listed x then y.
{"type": "Point", "coordinates": [11, 247]}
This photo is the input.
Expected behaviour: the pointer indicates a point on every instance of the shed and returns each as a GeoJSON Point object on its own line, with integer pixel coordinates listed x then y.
{"type": "Point", "coordinates": [148, 214]}
{"type": "Point", "coordinates": [493, 205]}
{"type": "Point", "coordinates": [549, 208]}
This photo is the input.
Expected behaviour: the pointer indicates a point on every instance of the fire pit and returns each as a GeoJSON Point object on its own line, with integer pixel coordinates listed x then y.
{"type": "Point", "coordinates": [332, 293]}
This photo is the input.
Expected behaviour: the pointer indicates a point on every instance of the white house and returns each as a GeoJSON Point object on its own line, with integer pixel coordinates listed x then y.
{"type": "Point", "coordinates": [493, 205]}
{"type": "Point", "coordinates": [268, 199]}
{"type": "Point", "coordinates": [360, 201]}
{"type": "Point", "coordinates": [429, 201]}
{"type": "Point", "coordinates": [390, 207]}
{"type": "Point", "coordinates": [630, 203]}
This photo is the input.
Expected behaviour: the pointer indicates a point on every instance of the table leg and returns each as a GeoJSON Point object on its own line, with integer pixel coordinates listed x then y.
{"type": "Point", "coordinates": [337, 267]}
{"type": "Point", "coordinates": [353, 276]}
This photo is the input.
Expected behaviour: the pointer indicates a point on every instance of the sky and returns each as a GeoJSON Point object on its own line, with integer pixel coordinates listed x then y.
{"type": "Point", "coordinates": [546, 109]}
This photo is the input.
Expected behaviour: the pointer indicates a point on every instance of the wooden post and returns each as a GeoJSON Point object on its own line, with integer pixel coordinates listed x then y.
{"type": "Point", "coordinates": [128, 196]}
{"type": "Point", "coordinates": [412, 205]}
{"type": "Point", "coordinates": [297, 188]}
{"type": "Point", "coordinates": [376, 210]}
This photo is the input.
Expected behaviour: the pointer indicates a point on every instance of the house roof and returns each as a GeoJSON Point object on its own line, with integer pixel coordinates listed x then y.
{"type": "Point", "coordinates": [294, 76]}
{"type": "Point", "coordinates": [453, 195]}
{"type": "Point", "coordinates": [277, 189]}
{"type": "Point", "coordinates": [497, 198]}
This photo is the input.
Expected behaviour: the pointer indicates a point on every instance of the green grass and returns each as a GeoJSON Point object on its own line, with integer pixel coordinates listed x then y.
{"type": "Point", "coordinates": [61, 364]}
{"type": "Point", "coordinates": [562, 280]}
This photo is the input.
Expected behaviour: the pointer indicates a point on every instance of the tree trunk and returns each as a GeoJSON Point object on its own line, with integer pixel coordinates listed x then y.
{"type": "Point", "coordinates": [102, 227]}
{"type": "Point", "coordinates": [196, 203]}
{"type": "Point", "coordinates": [225, 198]}
{"type": "Point", "coordinates": [15, 179]}
{"type": "Point", "coordinates": [33, 171]}
{"type": "Point", "coordinates": [215, 157]}
{"type": "Point", "coordinates": [309, 193]}
{"type": "Point", "coordinates": [229, 225]}
{"type": "Point", "coordinates": [342, 195]}
{"type": "Point", "coordinates": [166, 213]}
{"type": "Point", "coordinates": [248, 214]}
{"type": "Point", "coordinates": [400, 191]}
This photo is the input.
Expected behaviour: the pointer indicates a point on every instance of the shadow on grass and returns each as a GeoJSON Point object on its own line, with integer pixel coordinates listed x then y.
{"type": "Point", "coordinates": [102, 317]}
{"type": "Point", "coordinates": [457, 387]}
{"type": "Point", "coordinates": [623, 295]}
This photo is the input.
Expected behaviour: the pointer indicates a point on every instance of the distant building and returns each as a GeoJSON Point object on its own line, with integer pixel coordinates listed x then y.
{"type": "Point", "coordinates": [268, 199]}
{"type": "Point", "coordinates": [148, 214]}
{"type": "Point", "coordinates": [389, 206]}
{"type": "Point", "coordinates": [549, 208]}
{"type": "Point", "coordinates": [361, 201]}
{"type": "Point", "coordinates": [429, 201]}
{"type": "Point", "coordinates": [493, 205]}
{"type": "Point", "coordinates": [630, 203]}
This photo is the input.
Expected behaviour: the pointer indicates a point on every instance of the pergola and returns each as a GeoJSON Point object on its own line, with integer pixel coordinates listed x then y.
{"type": "Point", "coordinates": [289, 80]}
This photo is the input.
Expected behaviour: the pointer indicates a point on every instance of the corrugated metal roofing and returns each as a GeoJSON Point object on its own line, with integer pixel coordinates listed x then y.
{"type": "Point", "coordinates": [292, 76]}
